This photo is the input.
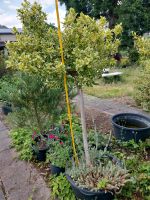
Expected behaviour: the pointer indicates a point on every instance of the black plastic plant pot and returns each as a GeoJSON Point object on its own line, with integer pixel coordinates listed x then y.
{"type": "Point", "coordinates": [55, 170]}
{"type": "Point", "coordinates": [85, 194]}
{"type": "Point", "coordinates": [6, 110]}
{"type": "Point", "coordinates": [41, 155]}
{"type": "Point", "coordinates": [130, 126]}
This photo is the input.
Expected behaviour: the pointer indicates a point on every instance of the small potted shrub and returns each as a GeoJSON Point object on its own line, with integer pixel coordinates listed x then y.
{"type": "Point", "coordinates": [59, 157]}
{"type": "Point", "coordinates": [40, 146]}
{"type": "Point", "coordinates": [101, 180]}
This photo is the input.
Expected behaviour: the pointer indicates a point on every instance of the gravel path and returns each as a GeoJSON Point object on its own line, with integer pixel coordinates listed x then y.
{"type": "Point", "coordinates": [19, 180]}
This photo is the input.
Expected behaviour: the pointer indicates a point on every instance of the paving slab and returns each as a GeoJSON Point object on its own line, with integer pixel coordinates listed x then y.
{"type": "Point", "coordinates": [19, 180]}
{"type": "Point", "coordinates": [108, 106]}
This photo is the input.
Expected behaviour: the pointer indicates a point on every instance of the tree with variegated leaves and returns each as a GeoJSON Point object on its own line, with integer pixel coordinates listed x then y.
{"type": "Point", "coordinates": [89, 47]}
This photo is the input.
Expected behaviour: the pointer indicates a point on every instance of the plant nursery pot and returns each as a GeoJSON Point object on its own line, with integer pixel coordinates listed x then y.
{"type": "Point", "coordinates": [6, 110]}
{"type": "Point", "coordinates": [41, 155]}
{"type": "Point", "coordinates": [55, 170]}
{"type": "Point", "coordinates": [130, 126]}
{"type": "Point", "coordinates": [85, 194]}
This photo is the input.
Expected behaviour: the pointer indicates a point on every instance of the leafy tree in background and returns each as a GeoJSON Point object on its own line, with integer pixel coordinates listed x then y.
{"type": "Point", "coordinates": [134, 14]}
{"type": "Point", "coordinates": [142, 87]}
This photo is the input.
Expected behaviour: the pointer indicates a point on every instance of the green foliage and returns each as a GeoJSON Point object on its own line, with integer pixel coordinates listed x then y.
{"type": "Point", "coordinates": [142, 91]}
{"type": "Point", "coordinates": [133, 14]}
{"type": "Point", "coordinates": [36, 49]}
{"type": "Point", "coordinates": [133, 55]}
{"type": "Point", "coordinates": [136, 159]}
{"type": "Point", "coordinates": [88, 47]}
{"type": "Point", "coordinates": [125, 62]}
{"type": "Point", "coordinates": [35, 102]}
{"type": "Point", "coordinates": [2, 64]}
{"type": "Point", "coordinates": [21, 140]}
{"type": "Point", "coordinates": [60, 188]}
{"type": "Point", "coordinates": [59, 154]}
{"type": "Point", "coordinates": [102, 183]}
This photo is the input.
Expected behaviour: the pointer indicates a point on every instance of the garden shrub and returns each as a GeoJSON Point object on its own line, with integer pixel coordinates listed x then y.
{"type": "Point", "coordinates": [142, 91]}
{"type": "Point", "coordinates": [60, 188]}
{"type": "Point", "coordinates": [35, 103]}
{"type": "Point", "coordinates": [125, 62]}
{"type": "Point", "coordinates": [22, 140]}
{"type": "Point", "coordinates": [2, 64]}
{"type": "Point", "coordinates": [133, 55]}
{"type": "Point", "coordinates": [136, 159]}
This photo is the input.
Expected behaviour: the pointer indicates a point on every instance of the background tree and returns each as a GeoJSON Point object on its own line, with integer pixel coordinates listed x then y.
{"type": "Point", "coordinates": [134, 14]}
{"type": "Point", "coordinates": [142, 87]}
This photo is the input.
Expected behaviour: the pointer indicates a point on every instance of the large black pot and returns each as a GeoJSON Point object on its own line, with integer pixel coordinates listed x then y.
{"type": "Point", "coordinates": [128, 126]}
{"type": "Point", "coordinates": [55, 170]}
{"type": "Point", "coordinates": [85, 194]}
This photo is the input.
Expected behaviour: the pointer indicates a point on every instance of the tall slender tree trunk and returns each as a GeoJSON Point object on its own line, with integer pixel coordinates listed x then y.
{"type": "Point", "coordinates": [84, 129]}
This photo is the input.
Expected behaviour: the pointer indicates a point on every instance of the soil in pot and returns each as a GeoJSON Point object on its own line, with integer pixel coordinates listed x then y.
{"type": "Point", "coordinates": [85, 194]}
{"type": "Point", "coordinates": [128, 126]}
{"type": "Point", "coordinates": [56, 170]}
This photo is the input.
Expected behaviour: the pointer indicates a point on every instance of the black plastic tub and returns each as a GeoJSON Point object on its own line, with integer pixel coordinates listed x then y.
{"type": "Point", "coordinates": [85, 194]}
{"type": "Point", "coordinates": [55, 170]}
{"type": "Point", "coordinates": [130, 126]}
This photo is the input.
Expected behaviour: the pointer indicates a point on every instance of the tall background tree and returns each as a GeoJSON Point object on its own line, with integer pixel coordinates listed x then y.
{"type": "Point", "coordinates": [134, 14]}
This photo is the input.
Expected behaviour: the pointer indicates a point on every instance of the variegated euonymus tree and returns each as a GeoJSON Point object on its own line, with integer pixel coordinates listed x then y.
{"type": "Point", "coordinates": [89, 47]}
{"type": "Point", "coordinates": [37, 48]}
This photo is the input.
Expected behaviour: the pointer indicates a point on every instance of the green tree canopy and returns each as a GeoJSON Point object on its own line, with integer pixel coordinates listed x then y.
{"type": "Point", "coordinates": [89, 46]}
{"type": "Point", "coordinates": [36, 49]}
{"type": "Point", "coordinates": [134, 14]}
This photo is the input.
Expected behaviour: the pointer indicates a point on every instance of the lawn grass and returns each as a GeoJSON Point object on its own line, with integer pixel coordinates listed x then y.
{"type": "Point", "coordinates": [124, 87]}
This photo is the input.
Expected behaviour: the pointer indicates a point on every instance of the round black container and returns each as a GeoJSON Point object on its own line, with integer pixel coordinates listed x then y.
{"type": "Point", "coordinates": [85, 194]}
{"type": "Point", "coordinates": [41, 155]}
{"type": "Point", "coordinates": [55, 170]}
{"type": "Point", "coordinates": [128, 126]}
{"type": "Point", "coordinates": [6, 110]}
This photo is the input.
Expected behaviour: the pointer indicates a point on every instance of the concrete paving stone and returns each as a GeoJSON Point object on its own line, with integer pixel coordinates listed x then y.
{"type": "Point", "coordinates": [108, 106]}
{"type": "Point", "coordinates": [2, 197]}
{"type": "Point", "coordinates": [20, 179]}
